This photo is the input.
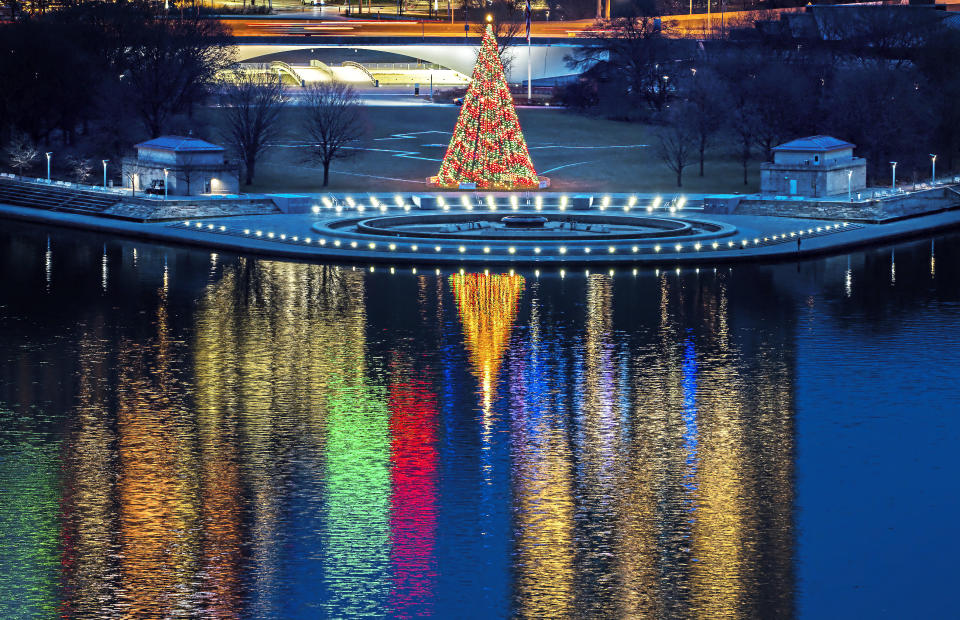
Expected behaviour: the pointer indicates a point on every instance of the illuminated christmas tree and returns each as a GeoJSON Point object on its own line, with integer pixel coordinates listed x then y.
{"type": "Point", "coordinates": [487, 147]}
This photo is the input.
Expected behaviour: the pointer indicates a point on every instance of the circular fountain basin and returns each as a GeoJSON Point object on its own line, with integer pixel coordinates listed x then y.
{"type": "Point", "coordinates": [554, 226]}
{"type": "Point", "coordinates": [524, 221]}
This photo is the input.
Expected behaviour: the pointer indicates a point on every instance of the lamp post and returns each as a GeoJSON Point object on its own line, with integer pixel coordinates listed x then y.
{"type": "Point", "coordinates": [48, 165]}
{"type": "Point", "coordinates": [850, 185]}
{"type": "Point", "coordinates": [893, 185]}
{"type": "Point", "coordinates": [933, 171]}
{"type": "Point", "coordinates": [166, 172]}
{"type": "Point", "coordinates": [105, 173]}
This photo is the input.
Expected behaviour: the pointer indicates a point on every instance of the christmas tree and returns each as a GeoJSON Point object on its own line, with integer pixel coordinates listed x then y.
{"type": "Point", "coordinates": [487, 147]}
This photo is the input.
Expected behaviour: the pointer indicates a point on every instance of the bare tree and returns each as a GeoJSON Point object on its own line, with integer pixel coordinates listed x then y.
{"type": "Point", "coordinates": [187, 170]}
{"type": "Point", "coordinates": [22, 153]}
{"type": "Point", "coordinates": [676, 143]}
{"type": "Point", "coordinates": [706, 108]}
{"type": "Point", "coordinates": [743, 120]}
{"type": "Point", "coordinates": [131, 172]}
{"type": "Point", "coordinates": [80, 167]}
{"type": "Point", "coordinates": [634, 54]}
{"type": "Point", "coordinates": [738, 71]}
{"type": "Point", "coordinates": [785, 98]}
{"type": "Point", "coordinates": [333, 122]}
{"type": "Point", "coordinates": [173, 63]}
{"type": "Point", "coordinates": [253, 102]}
{"type": "Point", "coordinates": [507, 22]}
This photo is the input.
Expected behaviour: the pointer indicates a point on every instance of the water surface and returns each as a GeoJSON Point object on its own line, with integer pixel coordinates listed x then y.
{"type": "Point", "coordinates": [187, 434]}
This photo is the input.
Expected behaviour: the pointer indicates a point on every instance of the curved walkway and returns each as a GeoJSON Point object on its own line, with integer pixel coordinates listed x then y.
{"type": "Point", "coordinates": [760, 239]}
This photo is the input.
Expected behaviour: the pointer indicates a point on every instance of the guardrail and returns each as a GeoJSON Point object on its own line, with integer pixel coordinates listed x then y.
{"type": "Point", "coordinates": [406, 66]}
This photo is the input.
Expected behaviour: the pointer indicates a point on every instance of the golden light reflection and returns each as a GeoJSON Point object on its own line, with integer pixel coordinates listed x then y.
{"type": "Point", "coordinates": [599, 416]}
{"type": "Point", "coordinates": [487, 305]}
{"type": "Point", "coordinates": [543, 490]}
{"type": "Point", "coordinates": [90, 572]}
{"type": "Point", "coordinates": [705, 494]}
{"type": "Point", "coordinates": [158, 505]}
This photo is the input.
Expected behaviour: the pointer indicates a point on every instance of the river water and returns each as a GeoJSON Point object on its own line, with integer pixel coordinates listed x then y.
{"type": "Point", "coordinates": [187, 434]}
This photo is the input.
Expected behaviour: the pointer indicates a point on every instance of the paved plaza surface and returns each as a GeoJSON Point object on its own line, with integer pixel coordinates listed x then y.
{"type": "Point", "coordinates": [295, 236]}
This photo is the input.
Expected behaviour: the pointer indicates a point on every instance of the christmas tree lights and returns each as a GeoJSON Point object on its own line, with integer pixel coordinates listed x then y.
{"type": "Point", "coordinates": [487, 147]}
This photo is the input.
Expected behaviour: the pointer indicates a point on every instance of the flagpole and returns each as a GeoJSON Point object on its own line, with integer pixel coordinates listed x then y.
{"type": "Point", "coordinates": [529, 74]}
{"type": "Point", "coordinates": [529, 54]}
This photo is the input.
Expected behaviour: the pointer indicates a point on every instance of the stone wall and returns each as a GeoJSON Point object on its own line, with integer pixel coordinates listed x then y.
{"type": "Point", "coordinates": [154, 210]}
{"type": "Point", "coordinates": [879, 210]}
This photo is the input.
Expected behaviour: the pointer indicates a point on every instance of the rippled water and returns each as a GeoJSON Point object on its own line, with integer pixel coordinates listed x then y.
{"type": "Point", "coordinates": [186, 434]}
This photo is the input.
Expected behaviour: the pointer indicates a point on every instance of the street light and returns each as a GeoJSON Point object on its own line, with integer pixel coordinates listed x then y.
{"type": "Point", "coordinates": [849, 185]}
{"type": "Point", "coordinates": [105, 173]}
{"type": "Point", "coordinates": [933, 172]}
{"type": "Point", "coordinates": [48, 165]}
{"type": "Point", "coordinates": [894, 184]}
{"type": "Point", "coordinates": [166, 171]}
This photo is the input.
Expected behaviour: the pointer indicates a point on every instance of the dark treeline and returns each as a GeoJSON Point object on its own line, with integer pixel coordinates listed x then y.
{"type": "Point", "coordinates": [94, 77]}
{"type": "Point", "coordinates": [887, 85]}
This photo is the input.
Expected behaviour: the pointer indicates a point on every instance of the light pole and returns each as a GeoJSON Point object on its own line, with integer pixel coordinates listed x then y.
{"type": "Point", "coordinates": [850, 185]}
{"type": "Point", "coordinates": [48, 165]}
{"type": "Point", "coordinates": [105, 173]}
{"type": "Point", "coordinates": [933, 172]}
{"type": "Point", "coordinates": [894, 184]}
{"type": "Point", "coordinates": [166, 171]}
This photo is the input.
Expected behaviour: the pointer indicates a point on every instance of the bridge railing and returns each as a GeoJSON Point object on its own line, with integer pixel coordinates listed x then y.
{"type": "Point", "coordinates": [357, 65]}
{"type": "Point", "coordinates": [405, 66]}
{"type": "Point", "coordinates": [279, 65]}
{"type": "Point", "coordinates": [271, 67]}
{"type": "Point", "coordinates": [322, 66]}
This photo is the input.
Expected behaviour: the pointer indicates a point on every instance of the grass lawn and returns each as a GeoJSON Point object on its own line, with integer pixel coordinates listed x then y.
{"type": "Point", "coordinates": [578, 153]}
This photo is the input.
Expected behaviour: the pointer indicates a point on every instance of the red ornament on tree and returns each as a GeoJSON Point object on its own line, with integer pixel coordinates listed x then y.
{"type": "Point", "coordinates": [487, 147]}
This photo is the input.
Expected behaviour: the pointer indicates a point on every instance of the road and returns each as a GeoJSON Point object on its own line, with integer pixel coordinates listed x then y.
{"type": "Point", "coordinates": [329, 23]}
{"type": "Point", "coordinates": [271, 27]}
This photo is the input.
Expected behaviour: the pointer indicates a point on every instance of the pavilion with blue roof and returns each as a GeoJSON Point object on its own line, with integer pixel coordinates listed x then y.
{"type": "Point", "coordinates": [813, 167]}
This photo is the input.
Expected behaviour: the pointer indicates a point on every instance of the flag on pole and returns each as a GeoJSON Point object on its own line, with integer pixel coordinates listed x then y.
{"type": "Point", "coordinates": [528, 20]}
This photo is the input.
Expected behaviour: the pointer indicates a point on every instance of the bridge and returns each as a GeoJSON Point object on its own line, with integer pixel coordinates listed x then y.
{"type": "Point", "coordinates": [546, 58]}
{"type": "Point", "coordinates": [445, 44]}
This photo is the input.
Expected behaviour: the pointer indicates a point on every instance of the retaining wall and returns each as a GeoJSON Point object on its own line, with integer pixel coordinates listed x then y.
{"type": "Point", "coordinates": [876, 210]}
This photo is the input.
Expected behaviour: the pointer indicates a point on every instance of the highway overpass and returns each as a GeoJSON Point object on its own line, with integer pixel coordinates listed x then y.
{"type": "Point", "coordinates": [546, 58]}
{"type": "Point", "coordinates": [444, 43]}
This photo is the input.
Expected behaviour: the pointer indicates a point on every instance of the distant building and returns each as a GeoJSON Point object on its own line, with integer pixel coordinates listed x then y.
{"type": "Point", "coordinates": [815, 166]}
{"type": "Point", "coordinates": [192, 166]}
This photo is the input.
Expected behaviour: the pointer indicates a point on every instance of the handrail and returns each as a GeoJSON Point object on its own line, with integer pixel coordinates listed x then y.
{"type": "Point", "coordinates": [282, 66]}
{"type": "Point", "coordinates": [357, 65]}
{"type": "Point", "coordinates": [322, 66]}
{"type": "Point", "coordinates": [276, 65]}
